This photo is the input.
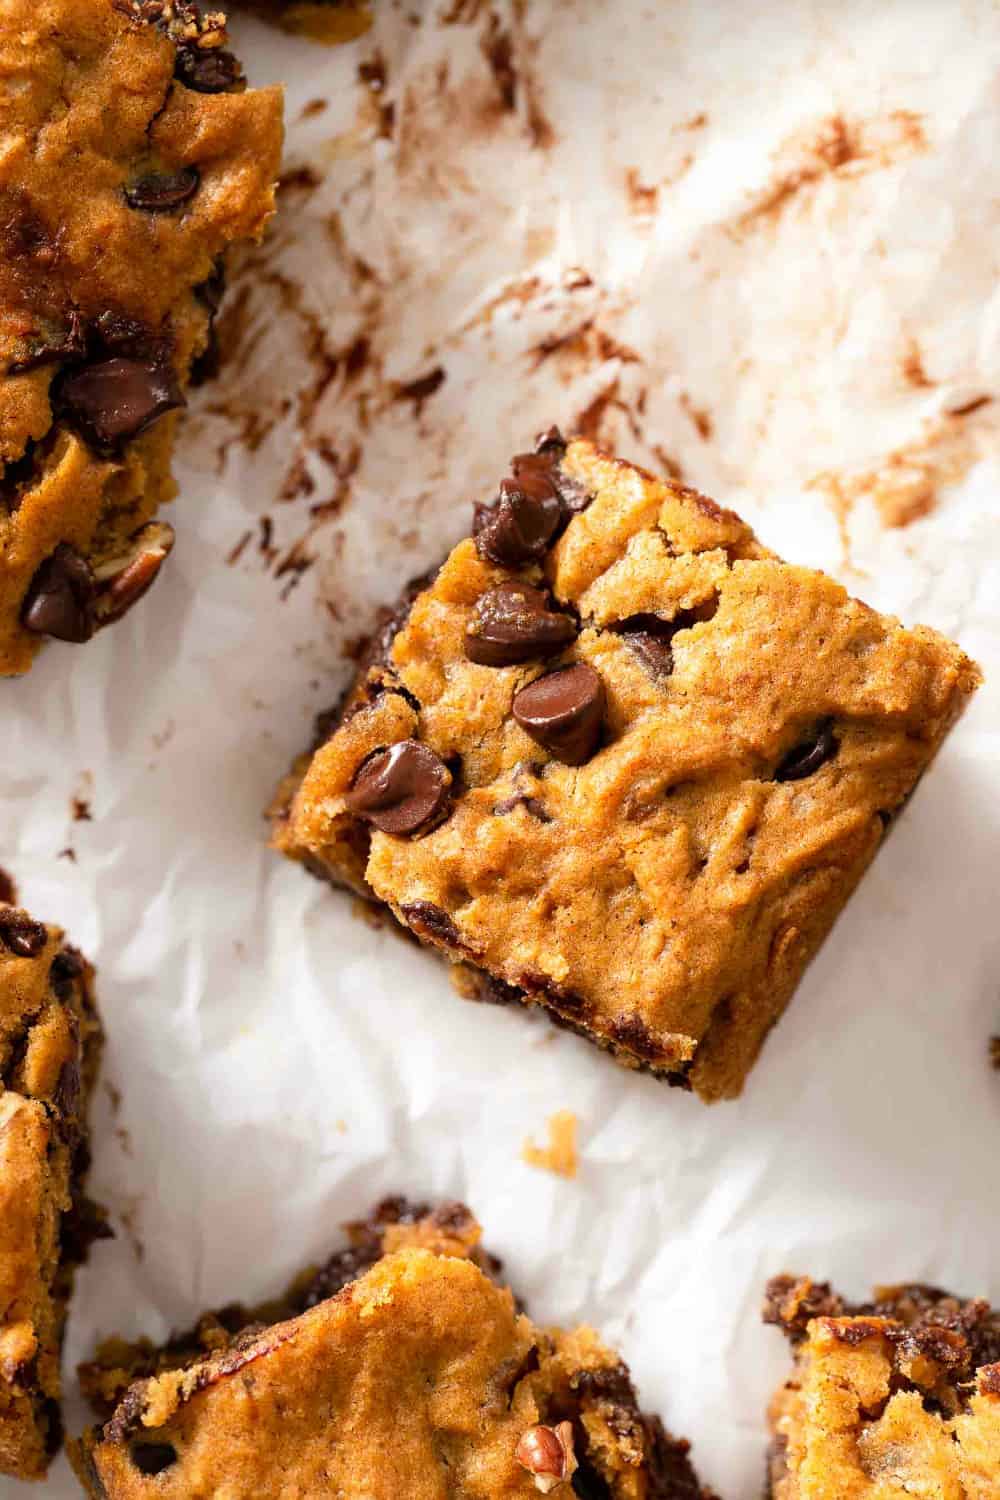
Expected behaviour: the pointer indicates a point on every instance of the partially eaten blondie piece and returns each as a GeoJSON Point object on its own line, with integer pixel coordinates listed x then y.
{"type": "Point", "coordinates": [132, 156]}
{"type": "Point", "coordinates": [619, 761]}
{"type": "Point", "coordinates": [49, 1045]}
{"type": "Point", "coordinates": [402, 1367]}
{"type": "Point", "coordinates": [894, 1398]}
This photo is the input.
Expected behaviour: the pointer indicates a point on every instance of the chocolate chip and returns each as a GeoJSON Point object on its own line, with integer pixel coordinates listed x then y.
{"type": "Point", "coordinates": [160, 192]}
{"type": "Point", "coordinates": [153, 1458]}
{"type": "Point", "coordinates": [807, 757]}
{"type": "Point", "coordinates": [430, 922]}
{"type": "Point", "coordinates": [67, 966]}
{"type": "Point", "coordinates": [650, 637]}
{"type": "Point", "coordinates": [523, 521]}
{"type": "Point", "coordinates": [68, 343]}
{"type": "Point", "coordinates": [563, 712]}
{"type": "Point", "coordinates": [66, 1097]}
{"type": "Point", "coordinates": [400, 790]}
{"type": "Point", "coordinates": [113, 333]}
{"type": "Point", "coordinates": [118, 398]}
{"type": "Point", "coordinates": [551, 443]}
{"type": "Point", "coordinates": [208, 70]}
{"type": "Point", "coordinates": [533, 806]}
{"type": "Point", "coordinates": [60, 597]}
{"type": "Point", "coordinates": [21, 935]}
{"type": "Point", "coordinates": [513, 623]}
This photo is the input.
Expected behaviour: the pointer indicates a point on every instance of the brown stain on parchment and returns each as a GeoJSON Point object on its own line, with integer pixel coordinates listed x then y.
{"type": "Point", "coordinates": [837, 147]}
{"type": "Point", "coordinates": [906, 485]}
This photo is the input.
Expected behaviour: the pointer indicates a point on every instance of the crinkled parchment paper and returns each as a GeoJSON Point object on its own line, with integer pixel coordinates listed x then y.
{"type": "Point", "coordinates": [753, 242]}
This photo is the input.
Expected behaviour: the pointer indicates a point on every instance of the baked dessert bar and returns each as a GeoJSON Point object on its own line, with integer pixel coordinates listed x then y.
{"type": "Point", "coordinates": [49, 1044]}
{"type": "Point", "coordinates": [621, 762]}
{"type": "Point", "coordinates": [402, 1367]}
{"type": "Point", "coordinates": [895, 1398]}
{"type": "Point", "coordinates": [132, 156]}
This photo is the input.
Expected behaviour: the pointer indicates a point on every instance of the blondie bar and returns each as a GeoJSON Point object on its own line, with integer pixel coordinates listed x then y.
{"type": "Point", "coordinates": [131, 157]}
{"type": "Point", "coordinates": [402, 1367]}
{"type": "Point", "coordinates": [895, 1398]}
{"type": "Point", "coordinates": [49, 1044]}
{"type": "Point", "coordinates": [619, 761]}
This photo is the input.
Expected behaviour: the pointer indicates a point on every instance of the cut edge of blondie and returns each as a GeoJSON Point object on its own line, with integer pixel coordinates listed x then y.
{"type": "Point", "coordinates": [583, 1390]}
{"type": "Point", "coordinates": [50, 1046]}
{"type": "Point", "coordinates": [877, 1385]}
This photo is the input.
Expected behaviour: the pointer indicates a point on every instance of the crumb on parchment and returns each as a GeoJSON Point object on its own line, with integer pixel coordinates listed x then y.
{"type": "Point", "coordinates": [560, 1155]}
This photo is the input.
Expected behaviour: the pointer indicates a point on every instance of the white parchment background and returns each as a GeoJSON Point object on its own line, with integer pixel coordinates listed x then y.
{"type": "Point", "coordinates": [756, 241]}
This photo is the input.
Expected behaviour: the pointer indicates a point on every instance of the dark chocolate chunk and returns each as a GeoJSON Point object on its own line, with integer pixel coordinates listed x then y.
{"type": "Point", "coordinates": [513, 623]}
{"type": "Point", "coordinates": [118, 398]}
{"type": "Point", "coordinates": [524, 520]}
{"type": "Point", "coordinates": [153, 1458]}
{"type": "Point", "coordinates": [808, 756]}
{"type": "Point", "coordinates": [563, 711]}
{"type": "Point", "coordinates": [60, 597]}
{"type": "Point", "coordinates": [21, 935]}
{"type": "Point", "coordinates": [159, 192]}
{"type": "Point", "coordinates": [208, 70]}
{"type": "Point", "coordinates": [400, 790]}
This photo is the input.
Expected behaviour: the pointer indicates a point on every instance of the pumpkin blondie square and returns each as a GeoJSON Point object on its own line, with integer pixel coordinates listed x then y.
{"type": "Point", "coordinates": [49, 1044]}
{"type": "Point", "coordinates": [132, 157]}
{"type": "Point", "coordinates": [617, 760]}
{"type": "Point", "coordinates": [402, 1367]}
{"type": "Point", "coordinates": [896, 1397]}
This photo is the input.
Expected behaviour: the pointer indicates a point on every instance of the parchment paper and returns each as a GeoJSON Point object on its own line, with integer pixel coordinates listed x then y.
{"type": "Point", "coordinates": [756, 243]}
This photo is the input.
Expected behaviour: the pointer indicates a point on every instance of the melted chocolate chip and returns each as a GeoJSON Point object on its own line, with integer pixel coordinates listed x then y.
{"type": "Point", "coordinates": [113, 333]}
{"type": "Point", "coordinates": [513, 623]}
{"type": "Point", "coordinates": [208, 70]}
{"type": "Point", "coordinates": [66, 1097]}
{"type": "Point", "coordinates": [401, 790]}
{"type": "Point", "coordinates": [551, 443]}
{"type": "Point", "coordinates": [807, 757]}
{"type": "Point", "coordinates": [118, 398]}
{"type": "Point", "coordinates": [60, 597]}
{"type": "Point", "coordinates": [649, 637]}
{"type": "Point", "coordinates": [563, 712]}
{"type": "Point", "coordinates": [533, 806]}
{"type": "Point", "coordinates": [522, 523]}
{"type": "Point", "coordinates": [153, 1458]}
{"type": "Point", "coordinates": [20, 935]}
{"type": "Point", "coordinates": [67, 966]}
{"type": "Point", "coordinates": [160, 192]}
{"type": "Point", "coordinates": [431, 922]}
{"type": "Point", "coordinates": [68, 343]}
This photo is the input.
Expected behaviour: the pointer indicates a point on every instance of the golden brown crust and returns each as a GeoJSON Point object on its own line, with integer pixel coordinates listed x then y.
{"type": "Point", "coordinates": [665, 896]}
{"type": "Point", "coordinates": [898, 1399]}
{"type": "Point", "coordinates": [418, 1376]}
{"type": "Point", "coordinates": [49, 1043]}
{"type": "Point", "coordinates": [95, 110]}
